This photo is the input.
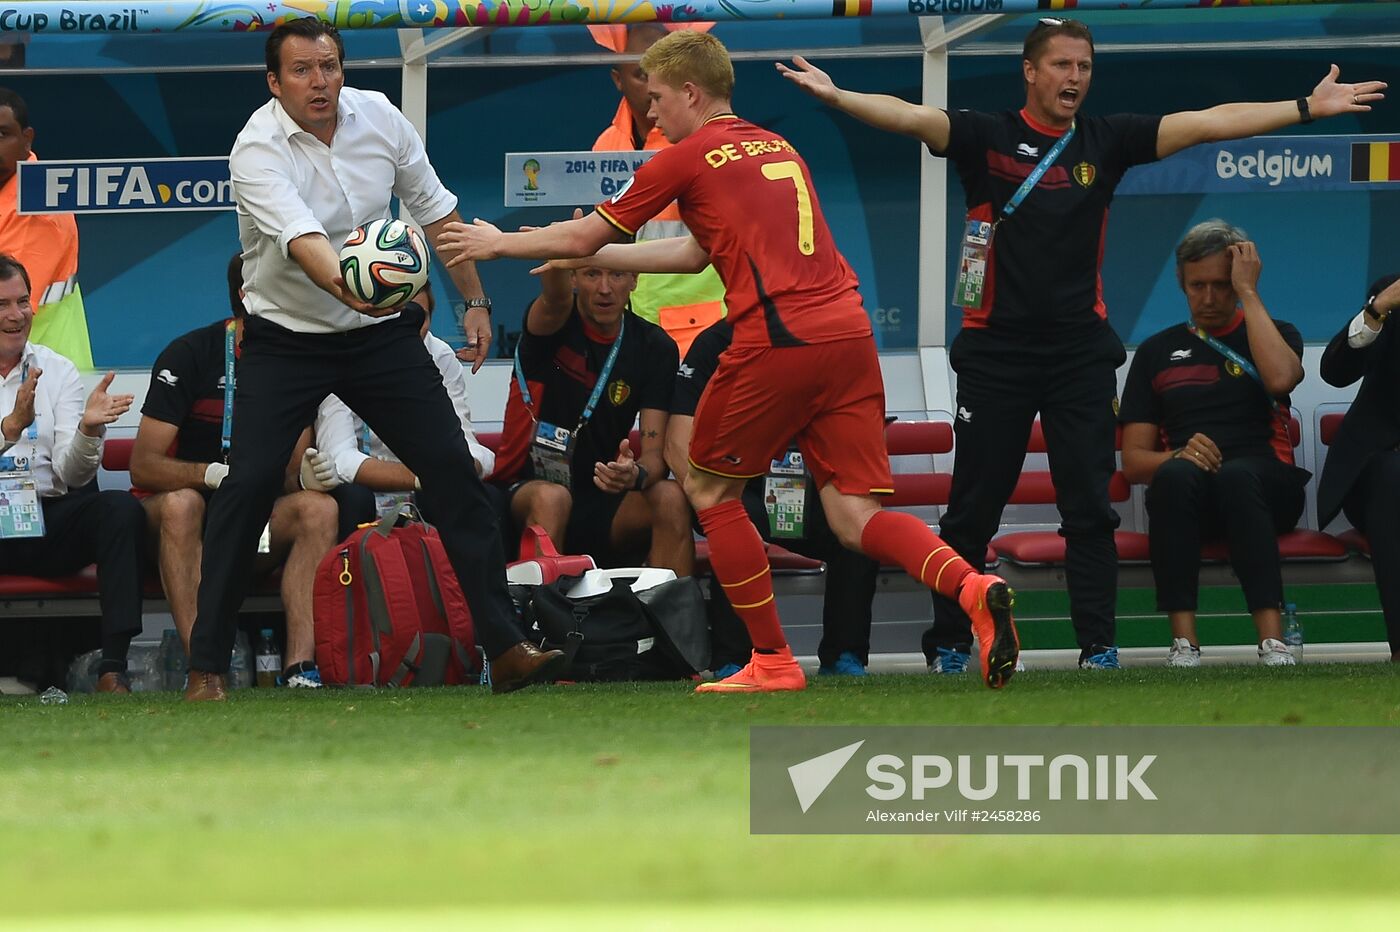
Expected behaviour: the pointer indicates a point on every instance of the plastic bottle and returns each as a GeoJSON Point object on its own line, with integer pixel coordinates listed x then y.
{"type": "Point", "coordinates": [269, 660]}
{"type": "Point", "coordinates": [1293, 631]}
{"type": "Point", "coordinates": [240, 671]}
{"type": "Point", "coordinates": [171, 660]}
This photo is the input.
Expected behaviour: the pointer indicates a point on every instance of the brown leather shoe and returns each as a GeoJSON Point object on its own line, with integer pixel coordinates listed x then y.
{"type": "Point", "coordinates": [523, 665]}
{"type": "Point", "coordinates": [115, 683]}
{"type": "Point", "coordinates": [205, 687]}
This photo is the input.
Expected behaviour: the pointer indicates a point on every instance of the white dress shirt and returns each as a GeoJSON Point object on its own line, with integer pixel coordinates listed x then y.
{"type": "Point", "coordinates": [1359, 333]}
{"type": "Point", "coordinates": [62, 457]}
{"type": "Point", "coordinates": [338, 429]}
{"type": "Point", "coordinates": [288, 183]}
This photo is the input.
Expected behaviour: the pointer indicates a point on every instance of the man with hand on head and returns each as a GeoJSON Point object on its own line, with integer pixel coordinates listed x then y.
{"type": "Point", "coordinates": [311, 165]}
{"type": "Point", "coordinates": [1035, 336]}
{"type": "Point", "coordinates": [1214, 392]}
{"type": "Point", "coordinates": [50, 449]}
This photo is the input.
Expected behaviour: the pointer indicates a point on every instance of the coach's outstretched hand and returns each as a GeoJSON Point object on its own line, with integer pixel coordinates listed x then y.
{"type": "Point", "coordinates": [1330, 98]}
{"type": "Point", "coordinates": [810, 78]}
{"type": "Point", "coordinates": [475, 242]}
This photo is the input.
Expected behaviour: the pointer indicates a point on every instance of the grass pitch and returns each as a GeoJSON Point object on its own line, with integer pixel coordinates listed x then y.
{"type": "Point", "coordinates": [617, 805]}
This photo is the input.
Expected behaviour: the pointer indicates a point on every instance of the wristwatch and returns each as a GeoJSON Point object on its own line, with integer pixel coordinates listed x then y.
{"type": "Point", "coordinates": [478, 302]}
{"type": "Point", "coordinates": [641, 478]}
{"type": "Point", "coordinates": [1371, 311]}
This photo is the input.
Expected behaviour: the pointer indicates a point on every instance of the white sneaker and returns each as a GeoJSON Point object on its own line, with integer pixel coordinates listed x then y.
{"type": "Point", "coordinates": [1275, 653]}
{"type": "Point", "coordinates": [1183, 654]}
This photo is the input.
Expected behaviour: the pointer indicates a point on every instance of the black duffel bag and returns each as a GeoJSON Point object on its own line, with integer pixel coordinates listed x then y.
{"type": "Point", "coordinates": [660, 633]}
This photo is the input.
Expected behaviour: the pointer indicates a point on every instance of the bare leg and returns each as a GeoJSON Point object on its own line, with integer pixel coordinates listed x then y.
{"type": "Point", "coordinates": [303, 527]}
{"type": "Point", "coordinates": [176, 520]}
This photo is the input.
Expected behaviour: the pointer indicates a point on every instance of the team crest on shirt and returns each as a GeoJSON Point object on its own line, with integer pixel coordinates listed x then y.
{"type": "Point", "coordinates": [618, 392]}
{"type": "Point", "coordinates": [1084, 173]}
{"type": "Point", "coordinates": [1233, 368]}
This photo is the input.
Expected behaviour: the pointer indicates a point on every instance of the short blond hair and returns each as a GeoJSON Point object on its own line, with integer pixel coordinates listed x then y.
{"type": "Point", "coordinates": [695, 57]}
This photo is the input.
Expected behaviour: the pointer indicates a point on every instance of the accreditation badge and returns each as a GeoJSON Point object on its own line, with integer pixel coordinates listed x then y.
{"type": "Point", "coordinates": [972, 264]}
{"type": "Point", "coordinates": [785, 496]}
{"type": "Point", "coordinates": [552, 454]}
{"type": "Point", "coordinates": [20, 513]}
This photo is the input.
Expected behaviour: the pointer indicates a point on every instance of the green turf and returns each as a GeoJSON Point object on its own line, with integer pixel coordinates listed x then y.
{"type": "Point", "coordinates": [599, 799]}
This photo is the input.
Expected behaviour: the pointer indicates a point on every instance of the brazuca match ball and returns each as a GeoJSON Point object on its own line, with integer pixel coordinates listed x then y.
{"type": "Point", "coordinates": [384, 262]}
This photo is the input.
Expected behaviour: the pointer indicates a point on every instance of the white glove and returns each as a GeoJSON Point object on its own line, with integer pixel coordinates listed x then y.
{"type": "Point", "coordinates": [318, 471]}
{"type": "Point", "coordinates": [215, 474]}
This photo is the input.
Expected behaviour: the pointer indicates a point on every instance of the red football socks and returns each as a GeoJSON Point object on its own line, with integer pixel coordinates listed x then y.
{"type": "Point", "coordinates": [741, 565]}
{"type": "Point", "coordinates": [903, 540]}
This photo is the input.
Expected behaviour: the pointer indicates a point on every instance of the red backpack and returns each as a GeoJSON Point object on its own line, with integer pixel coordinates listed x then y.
{"type": "Point", "coordinates": [388, 610]}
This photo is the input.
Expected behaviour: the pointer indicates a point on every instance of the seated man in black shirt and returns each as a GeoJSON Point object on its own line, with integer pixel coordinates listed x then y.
{"type": "Point", "coordinates": [1362, 474]}
{"type": "Point", "coordinates": [178, 462]}
{"type": "Point", "coordinates": [1215, 393]}
{"type": "Point", "coordinates": [850, 576]}
{"type": "Point", "coordinates": [586, 368]}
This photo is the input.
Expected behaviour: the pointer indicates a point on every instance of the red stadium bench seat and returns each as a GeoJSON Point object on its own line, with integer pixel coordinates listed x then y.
{"type": "Point", "coordinates": [1353, 539]}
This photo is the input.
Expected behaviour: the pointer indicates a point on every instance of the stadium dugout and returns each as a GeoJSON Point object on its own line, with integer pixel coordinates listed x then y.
{"type": "Point", "coordinates": [151, 271]}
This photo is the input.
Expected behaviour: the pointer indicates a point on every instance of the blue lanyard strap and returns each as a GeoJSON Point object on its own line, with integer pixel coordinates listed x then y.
{"type": "Point", "coordinates": [226, 437]}
{"type": "Point", "coordinates": [598, 386]}
{"type": "Point", "coordinates": [1237, 359]}
{"type": "Point", "coordinates": [1038, 172]}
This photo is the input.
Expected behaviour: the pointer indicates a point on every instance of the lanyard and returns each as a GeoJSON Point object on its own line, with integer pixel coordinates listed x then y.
{"type": "Point", "coordinates": [364, 438]}
{"type": "Point", "coordinates": [1038, 172]}
{"type": "Point", "coordinates": [226, 438]}
{"type": "Point", "coordinates": [598, 386]}
{"type": "Point", "coordinates": [1237, 359]}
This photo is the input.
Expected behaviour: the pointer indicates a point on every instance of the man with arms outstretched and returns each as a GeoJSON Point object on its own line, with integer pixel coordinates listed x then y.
{"type": "Point", "coordinates": [1035, 335]}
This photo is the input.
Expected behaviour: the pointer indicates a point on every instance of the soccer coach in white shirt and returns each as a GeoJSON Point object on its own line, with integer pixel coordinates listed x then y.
{"type": "Point", "coordinates": [313, 163]}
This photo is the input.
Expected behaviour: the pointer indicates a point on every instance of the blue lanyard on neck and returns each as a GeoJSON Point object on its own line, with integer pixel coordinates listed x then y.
{"type": "Point", "coordinates": [1237, 359]}
{"type": "Point", "coordinates": [226, 437]}
{"type": "Point", "coordinates": [1038, 172]}
{"type": "Point", "coordinates": [598, 386]}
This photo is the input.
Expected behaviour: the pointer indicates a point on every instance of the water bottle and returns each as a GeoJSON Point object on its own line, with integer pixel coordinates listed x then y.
{"type": "Point", "coordinates": [269, 660]}
{"type": "Point", "coordinates": [240, 671]}
{"type": "Point", "coordinates": [1293, 631]}
{"type": "Point", "coordinates": [53, 696]}
{"type": "Point", "coordinates": [171, 659]}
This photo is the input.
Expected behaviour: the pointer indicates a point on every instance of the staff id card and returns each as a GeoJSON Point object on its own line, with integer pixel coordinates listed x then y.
{"type": "Point", "coordinates": [552, 454]}
{"type": "Point", "coordinates": [20, 514]}
{"type": "Point", "coordinates": [785, 496]}
{"type": "Point", "coordinates": [972, 263]}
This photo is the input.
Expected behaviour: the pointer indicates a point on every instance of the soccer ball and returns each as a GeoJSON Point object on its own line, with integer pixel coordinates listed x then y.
{"type": "Point", "coordinates": [384, 262]}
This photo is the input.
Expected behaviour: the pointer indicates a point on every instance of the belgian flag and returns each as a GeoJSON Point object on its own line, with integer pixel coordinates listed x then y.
{"type": "Point", "coordinates": [851, 7]}
{"type": "Point", "coordinates": [1375, 161]}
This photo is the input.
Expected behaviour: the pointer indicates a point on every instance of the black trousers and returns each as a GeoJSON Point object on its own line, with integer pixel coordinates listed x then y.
{"type": "Point", "coordinates": [1249, 502]}
{"type": "Point", "coordinates": [1003, 382]}
{"type": "Point", "coordinates": [850, 588]}
{"type": "Point", "coordinates": [1373, 507]}
{"type": "Point", "coordinates": [385, 375]}
{"type": "Point", "coordinates": [87, 526]}
{"type": "Point", "coordinates": [355, 506]}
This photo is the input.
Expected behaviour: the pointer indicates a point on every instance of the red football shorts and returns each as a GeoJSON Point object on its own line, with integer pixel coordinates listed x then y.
{"type": "Point", "coordinates": [829, 396]}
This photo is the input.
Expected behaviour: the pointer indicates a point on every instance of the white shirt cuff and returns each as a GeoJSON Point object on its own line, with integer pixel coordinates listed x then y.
{"type": "Point", "coordinates": [348, 463]}
{"type": "Point", "coordinates": [1359, 333]}
{"type": "Point", "coordinates": [301, 228]}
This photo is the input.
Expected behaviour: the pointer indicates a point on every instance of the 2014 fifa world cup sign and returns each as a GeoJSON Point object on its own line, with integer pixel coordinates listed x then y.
{"type": "Point", "coordinates": [218, 16]}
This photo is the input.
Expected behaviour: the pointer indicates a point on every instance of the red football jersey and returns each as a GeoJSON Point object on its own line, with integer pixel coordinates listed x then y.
{"type": "Point", "coordinates": [748, 199]}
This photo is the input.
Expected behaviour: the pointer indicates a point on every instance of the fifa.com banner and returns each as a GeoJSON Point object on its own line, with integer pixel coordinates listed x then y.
{"type": "Point", "coordinates": [119, 186]}
{"type": "Point", "coordinates": [1001, 780]}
